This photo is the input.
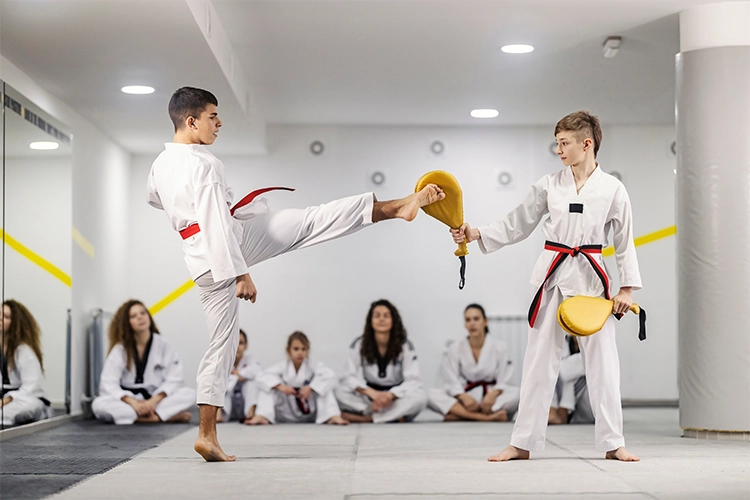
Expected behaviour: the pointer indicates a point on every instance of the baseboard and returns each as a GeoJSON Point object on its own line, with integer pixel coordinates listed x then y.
{"type": "Point", "coordinates": [42, 425]}
{"type": "Point", "coordinates": [650, 403]}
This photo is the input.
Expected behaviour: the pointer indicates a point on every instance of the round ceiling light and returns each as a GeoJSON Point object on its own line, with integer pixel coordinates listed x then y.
{"type": "Point", "coordinates": [138, 89]}
{"type": "Point", "coordinates": [517, 48]}
{"type": "Point", "coordinates": [484, 113]}
{"type": "Point", "coordinates": [44, 145]}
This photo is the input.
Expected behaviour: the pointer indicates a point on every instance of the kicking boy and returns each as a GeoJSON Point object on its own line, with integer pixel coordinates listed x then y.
{"type": "Point", "coordinates": [583, 205]}
{"type": "Point", "coordinates": [188, 183]}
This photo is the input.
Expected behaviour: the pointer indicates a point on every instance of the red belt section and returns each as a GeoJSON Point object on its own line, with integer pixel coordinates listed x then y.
{"type": "Point", "coordinates": [484, 383]}
{"type": "Point", "coordinates": [563, 251]}
{"type": "Point", "coordinates": [194, 229]}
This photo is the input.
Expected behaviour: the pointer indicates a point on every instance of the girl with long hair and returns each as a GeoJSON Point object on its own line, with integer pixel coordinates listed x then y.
{"type": "Point", "coordinates": [476, 373]}
{"type": "Point", "coordinates": [23, 398]}
{"type": "Point", "coordinates": [298, 389]}
{"type": "Point", "coordinates": [142, 376]}
{"type": "Point", "coordinates": [382, 383]}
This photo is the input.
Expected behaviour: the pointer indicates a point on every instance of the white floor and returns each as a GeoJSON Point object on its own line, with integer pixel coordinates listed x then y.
{"type": "Point", "coordinates": [432, 460]}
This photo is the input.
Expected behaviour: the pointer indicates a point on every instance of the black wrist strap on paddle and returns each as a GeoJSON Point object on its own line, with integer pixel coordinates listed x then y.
{"type": "Point", "coordinates": [641, 322]}
{"type": "Point", "coordinates": [462, 272]}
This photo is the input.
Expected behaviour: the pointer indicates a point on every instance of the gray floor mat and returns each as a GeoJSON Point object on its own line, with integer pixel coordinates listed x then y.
{"type": "Point", "coordinates": [41, 464]}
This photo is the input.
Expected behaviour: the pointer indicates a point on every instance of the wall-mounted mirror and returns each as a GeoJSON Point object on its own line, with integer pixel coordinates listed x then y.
{"type": "Point", "coordinates": [36, 287]}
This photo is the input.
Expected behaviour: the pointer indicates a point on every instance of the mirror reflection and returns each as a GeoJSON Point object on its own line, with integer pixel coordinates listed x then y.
{"type": "Point", "coordinates": [36, 230]}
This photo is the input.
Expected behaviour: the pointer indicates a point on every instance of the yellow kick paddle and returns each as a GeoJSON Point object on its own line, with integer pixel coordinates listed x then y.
{"type": "Point", "coordinates": [449, 210]}
{"type": "Point", "coordinates": [583, 316]}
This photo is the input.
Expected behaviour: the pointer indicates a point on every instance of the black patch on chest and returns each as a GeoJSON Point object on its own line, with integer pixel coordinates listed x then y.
{"type": "Point", "coordinates": [576, 208]}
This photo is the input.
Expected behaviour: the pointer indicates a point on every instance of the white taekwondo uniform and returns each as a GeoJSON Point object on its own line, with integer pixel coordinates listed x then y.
{"type": "Point", "coordinates": [399, 377]}
{"type": "Point", "coordinates": [162, 372]}
{"type": "Point", "coordinates": [276, 406]}
{"type": "Point", "coordinates": [247, 390]}
{"type": "Point", "coordinates": [574, 219]}
{"type": "Point", "coordinates": [571, 391]}
{"type": "Point", "coordinates": [460, 373]}
{"type": "Point", "coordinates": [188, 182]}
{"type": "Point", "coordinates": [24, 385]}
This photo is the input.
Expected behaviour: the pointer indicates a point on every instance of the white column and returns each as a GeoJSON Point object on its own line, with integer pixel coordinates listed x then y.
{"type": "Point", "coordinates": [713, 219]}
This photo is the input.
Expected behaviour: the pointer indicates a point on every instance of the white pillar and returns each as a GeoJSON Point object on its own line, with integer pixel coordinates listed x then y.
{"type": "Point", "coordinates": [713, 219]}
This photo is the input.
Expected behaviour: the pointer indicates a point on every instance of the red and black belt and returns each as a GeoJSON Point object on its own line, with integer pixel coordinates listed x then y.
{"type": "Point", "coordinates": [485, 384]}
{"type": "Point", "coordinates": [563, 251]}
{"type": "Point", "coordinates": [194, 229]}
{"type": "Point", "coordinates": [302, 403]}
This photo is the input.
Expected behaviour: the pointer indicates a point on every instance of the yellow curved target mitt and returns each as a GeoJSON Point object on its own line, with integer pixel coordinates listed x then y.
{"type": "Point", "coordinates": [449, 210]}
{"type": "Point", "coordinates": [583, 316]}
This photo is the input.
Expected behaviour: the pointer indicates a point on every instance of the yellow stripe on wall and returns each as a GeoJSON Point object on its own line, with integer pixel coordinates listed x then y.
{"type": "Point", "coordinates": [171, 297]}
{"type": "Point", "coordinates": [646, 238]}
{"type": "Point", "coordinates": [641, 240]}
{"type": "Point", "coordinates": [36, 258]}
{"type": "Point", "coordinates": [83, 243]}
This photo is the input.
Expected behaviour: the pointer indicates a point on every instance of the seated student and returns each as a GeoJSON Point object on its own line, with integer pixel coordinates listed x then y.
{"type": "Point", "coordinates": [297, 390]}
{"type": "Point", "coordinates": [242, 393]}
{"type": "Point", "coordinates": [23, 399]}
{"type": "Point", "coordinates": [570, 401]}
{"type": "Point", "coordinates": [383, 382]}
{"type": "Point", "coordinates": [141, 379]}
{"type": "Point", "coordinates": [476, 375]}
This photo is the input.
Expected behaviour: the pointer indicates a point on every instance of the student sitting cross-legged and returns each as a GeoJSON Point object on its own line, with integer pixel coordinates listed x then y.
{"type": "Point", "coordinates": [476, 374]}
{"type": "Point", "coordinates": [382, 383]}
{"type": "Point", "coordinates": [242, 393]}
{"type": "Point", "coordinates": [298, 389]}
{"type": "Point", "coordinates": [142, 376]}
{"type": "Point", "coordinates": [22, 400]}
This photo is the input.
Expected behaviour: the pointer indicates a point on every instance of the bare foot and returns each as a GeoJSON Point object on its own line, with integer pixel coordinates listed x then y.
{"type": "Point", "coordinates": [356, 419]}
{"type": "Point", "coordinates": [412, 203]}
{"type": "Point", "coordinates": [622, 455]}
{"type": "Point", "coordinates": [181, 418]}
{"type": "Point", "coordinates": [498, 416]}
{"type": "Point", "coordinates": [211, 451]}
{"type": "Point", "coordinates": [257, 420]}
{"type": "Point", "coordinates": [510, 453]}
{"type": "Point", "coordinates": [554, 417]}
{"type": "Point", "coordinates": [151, 419]}
{"type": "Point", "coordinates": [452, 418]}
{"type": "Point", "coordinates": [337, 420]}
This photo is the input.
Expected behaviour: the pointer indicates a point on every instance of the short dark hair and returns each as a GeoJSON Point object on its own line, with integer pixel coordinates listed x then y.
{"type": "Point", "coordinates": [481, 310]}
{"type": "Point", "coordinates": [583, 124]}
{"type": "Point", "coordinates": [187, 102]}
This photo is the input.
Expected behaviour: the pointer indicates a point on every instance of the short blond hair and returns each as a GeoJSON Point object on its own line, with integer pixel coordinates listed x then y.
{"type": "Point", "coordinates": [583, 124]}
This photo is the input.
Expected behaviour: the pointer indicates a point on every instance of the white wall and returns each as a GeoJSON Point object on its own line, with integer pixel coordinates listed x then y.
{"type": "Point", "coordinates": [99, 211]}
{"type": "Point", "coordinates": [326, 291]}
{"type": "Point", "coordinates": [38, 215]}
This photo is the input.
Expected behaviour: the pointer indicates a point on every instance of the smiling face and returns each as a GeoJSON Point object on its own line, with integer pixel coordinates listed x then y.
{"type": "Point", "coordinates": [139, 319]}
{"type": "Point", "coordinates": [205, 128]}
{"type": "Point", "coordinates": [382, 321]}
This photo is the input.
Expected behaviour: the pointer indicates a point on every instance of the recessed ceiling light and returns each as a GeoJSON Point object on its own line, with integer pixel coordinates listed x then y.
{"type": "Point", "coordinates": [517, 49]}
{"type": "Point", "coordinates": [484, 113]}
{"type": "Point", "coordinates": [44, 145]}
{"type": "Point", "coordinates": [138, 89]}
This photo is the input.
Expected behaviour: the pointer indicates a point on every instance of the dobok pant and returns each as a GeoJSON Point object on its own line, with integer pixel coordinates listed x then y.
{"type": "Point", "coordinates": [248, 397]}
{"type": "Point", "coordinates": [24, 410]}
{"type": "Point", "coordinates": [278, 407]}
{"type": "Point", "coordinates": [441, 402]}
{"type": "Point", "coordinates": [406, 407]}
{"type": "Point", "coordinates": [263, 237]}
{"type": "Point", "coordinates": [111, 409]}
{"type": "Point", "coordinates": [540, 369]}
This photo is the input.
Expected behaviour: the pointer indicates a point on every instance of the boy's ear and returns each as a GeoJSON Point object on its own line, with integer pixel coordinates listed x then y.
{"type": "Point", "coordinates": [587, 143]}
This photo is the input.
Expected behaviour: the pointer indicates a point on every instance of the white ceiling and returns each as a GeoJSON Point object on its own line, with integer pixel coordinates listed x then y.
{"type": "Point", "coordinates": [397, 62]}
